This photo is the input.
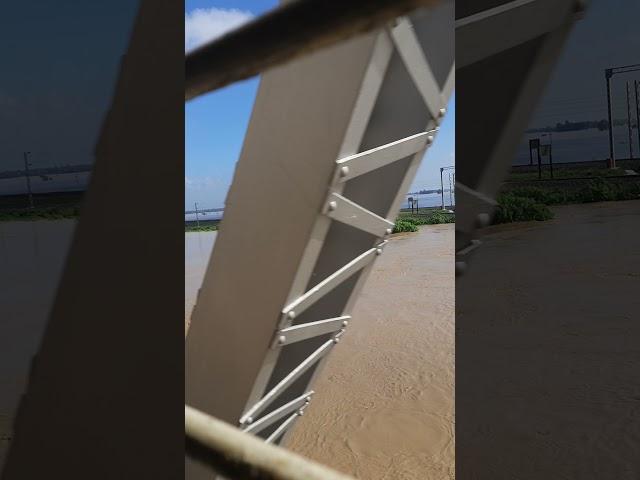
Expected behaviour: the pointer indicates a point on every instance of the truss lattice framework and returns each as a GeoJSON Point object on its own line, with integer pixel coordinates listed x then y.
{"type": "Point", "coordinates": [503, 77]}
{"type": "Point", "coordinates": [339, 208]}
{"type": "Point", "coordinates": [363, 113]}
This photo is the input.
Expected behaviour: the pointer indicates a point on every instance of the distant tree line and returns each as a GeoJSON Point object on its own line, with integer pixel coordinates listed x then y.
{"type": "Point", "coordinates": [47, 170]}
{"type": "Point", "coordinates": [568, 126]}
{"type": "Point", "coordinates": [426, 192]}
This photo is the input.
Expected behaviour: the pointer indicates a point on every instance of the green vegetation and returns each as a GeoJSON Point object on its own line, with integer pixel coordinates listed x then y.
{"type": "Point", "coordinates": [201, 228]}
{"type": "Point", "coordinates": [515, 208]}
{"type": "Point", "coordinates": [403, 225]}
{"type": "Point", "coordinates": [596, 190]}
{"type": "Point", "coordinates": [407, 222]}
{"type": "Point", "coordinates": [55, 213]}
{"type": "Point", "coordinates": [532, 203]}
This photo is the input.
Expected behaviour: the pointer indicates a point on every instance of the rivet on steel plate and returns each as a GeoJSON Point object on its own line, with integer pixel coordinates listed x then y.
{"type": "Point", "coordinates": [429, 139]}
{"type": "Point", "coordinates": [345, 323]}
{"type": "Point", "coordinates": [308, 399]}
{"type": "Point", "coordinates": [336, 340]}
{"type": "Point", "coordinates": [388, 231]}
{"type": "Point", "coordinates": [333, 206]}
{"type": "Point", "coordinates": [291, 315]}
{"type": "Point", "coordinates": [442, 112]}
{"type": "Point", "coordinates": [344, 171]}
{"type": "Point", "coordinates": [301, 412]}
{"type": "Point", "coordinates": [282, 339]}
{"type": "Point", "coordinates": [248, 420]}
{"type": "Point", "coordinates": [378, 251]}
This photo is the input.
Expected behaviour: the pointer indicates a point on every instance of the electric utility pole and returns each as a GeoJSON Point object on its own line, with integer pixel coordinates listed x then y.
{"type": "Point", "coordinates": [26, 173]}
{"type": "Point", "coordinates": [629, 125]}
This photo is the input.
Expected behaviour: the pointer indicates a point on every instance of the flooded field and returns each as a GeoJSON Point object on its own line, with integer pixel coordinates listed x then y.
{"type": "Point", "coordinates": [384, 407]}
{"type": "Point", "coordinates": [547, 347]}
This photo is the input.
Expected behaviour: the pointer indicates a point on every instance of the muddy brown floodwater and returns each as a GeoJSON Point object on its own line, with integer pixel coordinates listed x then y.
{"type": "Point", "coordinates": [548, 350]}
{"type": "Point", "coordinates": [384, 404]}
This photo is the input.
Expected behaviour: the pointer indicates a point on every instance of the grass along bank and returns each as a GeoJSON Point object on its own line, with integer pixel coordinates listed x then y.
{"type": "Point", "coordinates": [54, 213]}
{"type": "Point", "coordinates": [532, 203]}
{"type": "Point", "coordinates": [202, 226]}
{"type": "Point", "coordinates": [407, 222]}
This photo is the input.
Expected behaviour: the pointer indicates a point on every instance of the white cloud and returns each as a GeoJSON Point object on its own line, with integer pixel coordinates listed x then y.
{"type": "Point", "coordinates": [204, 24]}
{"type": "Point", "coordinates": [199, 183]}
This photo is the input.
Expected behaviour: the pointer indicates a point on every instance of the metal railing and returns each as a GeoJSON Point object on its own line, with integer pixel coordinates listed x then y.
{"type": "Point", "coordinates": [288, 32]}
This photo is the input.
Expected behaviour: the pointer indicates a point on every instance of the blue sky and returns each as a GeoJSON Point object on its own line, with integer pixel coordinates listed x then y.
{"type": "Point", "coordinates": [60, 61]}
{"type": "Point", "coordinates": [215, 124]}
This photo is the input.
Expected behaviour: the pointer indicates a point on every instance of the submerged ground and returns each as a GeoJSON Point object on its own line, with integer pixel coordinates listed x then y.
{"type": "Point", "coordinates": [384, 402]}
{"type": "Point", "coordinates": [547, 351]}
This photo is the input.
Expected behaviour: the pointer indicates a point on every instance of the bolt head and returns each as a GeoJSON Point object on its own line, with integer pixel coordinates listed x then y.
{"type": "Point", "coordinates": [291, 315]}
{"type": "Point", "coordinates": [378, 251]}
{"type": "Point", "coordinates": [301, 412]}
{"type": "Point", "coordinates": [430, 139]}
{"type": "Point", "coordinates": [388, 231]}
{"type": "Point", "coordinates": [345, 323]}
{"type": "Point", "coordinates": [308, 399]}
{"type": "Point", "coordinates": [333, 206]}
{"type": "Point", "coordinates": [249, 421]}
{"type": "Point", "coordinates": [282, 339]}
{"type": "Point", "coordinates": [442, 111]}
{"type": "Point", "coordinates": [336, 340]}
{"type": "Point", "coordinates": [344, 171]}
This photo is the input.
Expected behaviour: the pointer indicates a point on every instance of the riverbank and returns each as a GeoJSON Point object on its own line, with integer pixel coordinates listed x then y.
{"type": "Point", "coordinates": [531, 200]}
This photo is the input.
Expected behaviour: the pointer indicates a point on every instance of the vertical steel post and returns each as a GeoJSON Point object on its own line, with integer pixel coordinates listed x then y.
{"type": "Point", "coordinates": [442, 187]}
{"type": "Point", "coordinates": [539, 163]}
{"type": "Point", "coordinates": [26, 173]}
{"type": "Point", "coordinates": [629, 125]}
{"type": "Point", "coordinates": [612, 158]}
{"type": "Point", "coordinates": [197, 219]}
{"type": "Point", "coordinates": [635, 83]}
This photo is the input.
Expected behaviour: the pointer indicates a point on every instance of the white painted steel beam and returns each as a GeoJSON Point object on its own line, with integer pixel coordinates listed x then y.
{"type": "Point", "coordinates": [284, 426]}
{"type": "Point", "coordinates": [357, 102]}
{"type": "Point", "coordinates": [286, 381]}
{"type": "Point", "coordinates": [350, 213]}
{"type": "Point", "coordinates": [413, 55]}
{"type": "Point", "coordinates": [365, 162]}
{"type": "Point", "coordinates": [512, 69]}
{"type": "Point", "coordinates": [518, 21]}
{"type": "Point", "coordinates": [278, 413]}
{"type": "Point", "coordinates": [304, 331]}
{"type": "Point", "coordinates": [299, 305]}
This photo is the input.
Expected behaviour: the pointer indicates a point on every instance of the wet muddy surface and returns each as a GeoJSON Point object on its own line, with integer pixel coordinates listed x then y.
{"type": "Point", "coordinates": [383, 406]}
{"type": "Point", "coordinates": [547, 348]}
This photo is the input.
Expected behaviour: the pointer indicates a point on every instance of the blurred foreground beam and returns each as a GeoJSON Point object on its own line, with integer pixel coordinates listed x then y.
{"type": "Point", "coordinates": [237, 454]}
{"type": "Point", "coordinates": [290, 31]}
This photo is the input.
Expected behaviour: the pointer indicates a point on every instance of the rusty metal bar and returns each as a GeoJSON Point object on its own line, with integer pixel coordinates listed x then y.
{"type": "Point", "coordinates": [290, 31]}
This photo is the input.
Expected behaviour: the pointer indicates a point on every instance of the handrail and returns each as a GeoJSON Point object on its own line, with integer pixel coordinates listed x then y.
{"type": "Point", "coordinates": [234, 453]}
{"type": "Point", "coordinates": [295, 29]}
